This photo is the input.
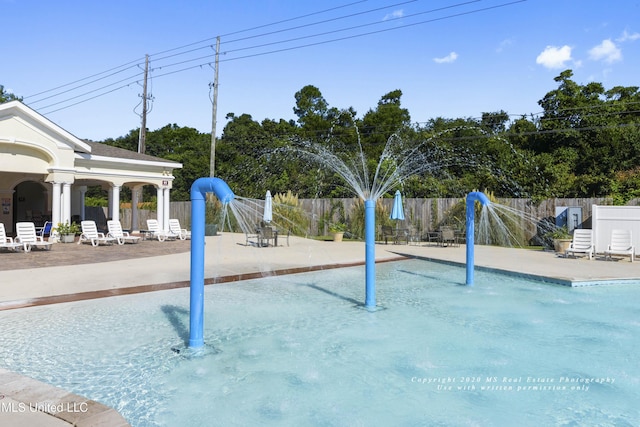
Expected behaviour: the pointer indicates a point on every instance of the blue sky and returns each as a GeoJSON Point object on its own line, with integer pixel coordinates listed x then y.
{"type": "Point", "coordinates": [467, 58]}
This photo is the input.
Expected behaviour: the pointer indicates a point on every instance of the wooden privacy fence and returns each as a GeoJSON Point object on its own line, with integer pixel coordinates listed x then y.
{"type": "Point", "coordinates": [421, 214]}
{"type": "Point", "coordinates": [424, 215]}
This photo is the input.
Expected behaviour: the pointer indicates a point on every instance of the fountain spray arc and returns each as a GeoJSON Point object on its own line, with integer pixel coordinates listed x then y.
{"type": "Point", "coordinates": [470, 229]}
{"type": "Point", "coordinates": [196, 310]}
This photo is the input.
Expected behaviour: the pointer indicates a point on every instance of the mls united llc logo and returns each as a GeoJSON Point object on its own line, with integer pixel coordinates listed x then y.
{"type": "Point", "coordinates": [50, 408]}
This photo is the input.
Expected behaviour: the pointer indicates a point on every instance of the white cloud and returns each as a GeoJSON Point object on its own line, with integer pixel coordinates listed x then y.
{"type": "Point", "coordinates": [446, 59]}
{"type": "Point", "coordinates": [554, 57]}
{"type": "Point", "coordinates": [606, 51]}
{"type": "Point", "coordinates": [626, 36]}
{"type": "Point", "coordinates": [394, 15]}
{"type": "Point", "coordinates": [504, 44]}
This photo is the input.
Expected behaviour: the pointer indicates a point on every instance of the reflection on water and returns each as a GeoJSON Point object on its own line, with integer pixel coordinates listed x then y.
{"type": "Point", "coordinates": [296, 350]}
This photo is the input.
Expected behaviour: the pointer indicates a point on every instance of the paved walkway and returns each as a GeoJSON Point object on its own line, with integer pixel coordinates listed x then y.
{"type": "Point", "coordinates": [70, 272]}
{"type": "Point", "coordinates": [538, 264]}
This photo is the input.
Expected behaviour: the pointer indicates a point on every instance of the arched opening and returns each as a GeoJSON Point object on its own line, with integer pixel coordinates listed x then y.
{"type": "Point", "coordinates": [31, 203]}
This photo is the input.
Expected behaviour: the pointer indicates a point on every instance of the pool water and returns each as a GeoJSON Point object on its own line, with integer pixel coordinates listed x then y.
{"type": "Point", "coordinates": [300, 350]}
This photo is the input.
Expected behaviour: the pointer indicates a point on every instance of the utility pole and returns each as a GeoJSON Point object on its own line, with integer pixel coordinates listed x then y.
{"type": "Point", "coordinates": [143, 127]}
{"type": "Point", "coordinates": [212, 162]}
{"type": "Point", "coordinates": [142, 136]}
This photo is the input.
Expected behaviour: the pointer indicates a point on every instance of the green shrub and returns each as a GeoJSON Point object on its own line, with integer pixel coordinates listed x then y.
{"type": "Point", "coordinates": [99, 202]}
{"type": "Point", "coordinates": [288, 213]}
{"type": "Point", "coordinates": [356, 224]}
{"type": "Point", "coordinates": [66, 228]}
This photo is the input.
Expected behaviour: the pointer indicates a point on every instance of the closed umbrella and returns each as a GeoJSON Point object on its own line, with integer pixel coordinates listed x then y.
{"type": "Point", "coordinates": [398, 211]}
{"type": "Point", "coordinates": [268, 208]}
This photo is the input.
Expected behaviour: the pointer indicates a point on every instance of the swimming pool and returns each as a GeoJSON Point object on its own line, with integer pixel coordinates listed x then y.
{"type": "Point", "coordinates": [299, 350]}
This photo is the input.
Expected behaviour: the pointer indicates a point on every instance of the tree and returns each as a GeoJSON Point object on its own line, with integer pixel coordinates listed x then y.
{"type": "Point", "coordinates": [599, 126]}
{"type": "Point", "coordinates": [7, 96]}
{"type": "Point", "coordinates": [179, 144]}
{"type": "Point", "coordinates": [522, 133]}
{"type": "Point", "coordinates": [309, 103]}
{"type": "Point", "coordinates": [388, 118]}
{"type": "Point", "coordinates": [240, 155]}
{"type": "Point", "coordinates": [183, 145]}
{"type": "Point", "coordinates": [495, 122]}
{"type": "Point", "coordinates": [314, 115]}
{"type": "Point", "coordinates": [586, 143]}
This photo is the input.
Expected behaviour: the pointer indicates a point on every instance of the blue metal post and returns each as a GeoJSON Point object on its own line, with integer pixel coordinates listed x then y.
{"type": "Point", "coordinates": [370, 252]}
{"type": "Point", "coordinates": [196, 310]}
{"type": "Point", "coordinates": [470, 230]}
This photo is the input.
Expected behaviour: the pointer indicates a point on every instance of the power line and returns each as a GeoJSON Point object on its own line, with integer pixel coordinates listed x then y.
{"type": "Point", "coordinates": [202, 47]}
{"type": "Point", "coordinates": [137, 62]}
{"type": "Point", "coordinates": [95, 90]}
{"type": "Point", "coordinates": [88, 99]}
{"type": "Point", "coordinates": [262, 26]}
{"type": "Point", "coordinates": [324, 41]}
{"type": "Point", "coordinates": [78, 87]}
{"type": "Point", "coordinates": [128, 65]}
{"type": "Point", "coordinates": [292, 29]}
{"type": "Point", "coordinates": [322, 33]}
{"type": "Point", "coordinates": [361, 26]}
{"type": "Point", "coordinates": [334, 19]}
{"type": "Point", "coordinates": [162, 66]}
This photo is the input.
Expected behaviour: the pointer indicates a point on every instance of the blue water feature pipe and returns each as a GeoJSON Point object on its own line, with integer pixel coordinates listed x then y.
{"type": "Point", "coordinates": [198, 191]}
{"type": "Point", "coordinates": [471, 199]}
{"type": "Point", "coordinates": [370, 253]}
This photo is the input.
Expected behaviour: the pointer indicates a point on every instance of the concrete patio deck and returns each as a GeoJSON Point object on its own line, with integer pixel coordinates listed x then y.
{"type": "Point", "coordinates": [71, 272]}
{"type": "Point", "coordinates": [541, 265]}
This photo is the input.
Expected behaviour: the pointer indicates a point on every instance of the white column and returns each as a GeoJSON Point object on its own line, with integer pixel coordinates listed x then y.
{"type": "Point", "coordinates": [160, 206]}
{"type": "Point", "coordinates": [83, 191]}
{"type": "Point", "coordinates": [115, 207]}
{"type": "Point", "coordinates": [66, 203]}
{"type": "Point", "coordinates": [55, 204]}
{"type": "Point", "coordinates": [167, 208]}
{"type": "Point", "coordinates": [109, 200]}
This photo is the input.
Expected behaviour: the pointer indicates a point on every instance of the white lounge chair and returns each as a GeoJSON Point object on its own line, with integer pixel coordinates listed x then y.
{"type": "Point", "coordinates": [7, 242]}
{"type": "Point", "coordinates": [26, 236]}
{"type": "Point", "coordinates": [176, 229]}
{"type": "Point", "coordinates": [91, 235]}
{"type": "Point", "coordinates": [582, 243]}
{"type": "Point", "coordinates": [122, 237]}
{"type": "Point", "coordinates": [621, 244]}
{"type": "Point", "coordinates": [155, 232]}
